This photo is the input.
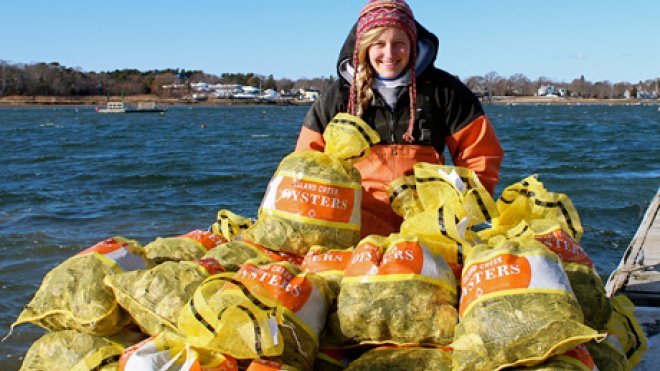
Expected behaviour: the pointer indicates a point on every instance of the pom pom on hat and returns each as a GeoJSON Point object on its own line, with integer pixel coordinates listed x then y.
{"type": "Point", "coordinates": [387, 13]}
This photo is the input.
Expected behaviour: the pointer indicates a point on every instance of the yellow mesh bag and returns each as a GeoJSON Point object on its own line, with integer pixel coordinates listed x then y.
{"type": "Point", "coordinates": [585, 281]}
{"type": "Point", "coordinates": [232, 255]}
{"type": "Point", "coordinates": [529, 200]}
{"type": "Point", "coordinates": [72, 350]}
{"type": "Point", "coordinates": [442, 231]}
{"type": "Point", "coordinates": [404, 359]}
{"type": "Point", "coordinates": [454, 201]}
{"type": "Point", "coordinates": [403, 197]}
{"type": "Point", "coordinates": [190, 246]}
{"type": "Point", "coordinates": [395, 290]}
{"type": "Point", "coordinates": [624, 331]}
{"type": "Point", "coordinates": [314, 198]}
{"type": "Point", "coordinates": [169, 351]}
{"type": "Point", "coordinates": [516, 307]}
{"type": "Point", "coordinates": [230, 225]}
{"type": "Point", "coordinates": [73, 296]}
{"type": "Point", "coordinates": [440, 184]}
{"type": "Point", "coordinates": [155, 297]}
{"type": "Point", "coordinates": [329, 264]}
{"type": "Point", "coordinates": [271, 311]}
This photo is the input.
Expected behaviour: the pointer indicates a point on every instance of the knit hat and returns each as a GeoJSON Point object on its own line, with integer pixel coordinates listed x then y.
{"type": "Point", "coordinates": [387, 13]}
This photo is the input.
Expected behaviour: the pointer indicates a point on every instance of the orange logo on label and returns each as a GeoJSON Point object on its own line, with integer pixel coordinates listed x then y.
{"type": "Point", "coordinates": [276, 282]}
{"type": "Point", "coordinates": [503, 272]}
{"type": "Point", "coordinates": [334, 260]}
{"type": "Point", "coordinates": [405, 257]}
{"type": "Point", "coordinates": [207, 239]}
{"type": "Point", "coordinates": [315, 200]}
{"type": "Point", "coordinates": [566, 247]}
{"type": "Point", "coordinates": [363, 259]}
{"type": "Point", "coordinates": [104, 247]}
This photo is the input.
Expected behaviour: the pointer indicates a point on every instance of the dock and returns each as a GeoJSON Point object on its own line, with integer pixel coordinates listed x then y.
{"type": "Point", "coordinates": [638, 277]}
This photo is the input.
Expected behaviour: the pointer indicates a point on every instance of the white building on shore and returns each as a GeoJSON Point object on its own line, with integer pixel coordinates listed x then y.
{"type": "Point", "coordinates": [551, 91]}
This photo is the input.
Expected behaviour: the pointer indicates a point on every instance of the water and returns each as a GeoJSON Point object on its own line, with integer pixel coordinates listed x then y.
{"type": "Point", "coordinates": [72, 177]}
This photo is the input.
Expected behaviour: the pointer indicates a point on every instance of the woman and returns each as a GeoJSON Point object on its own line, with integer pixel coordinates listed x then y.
{"type": "Point", "coordinates": [416, 108]}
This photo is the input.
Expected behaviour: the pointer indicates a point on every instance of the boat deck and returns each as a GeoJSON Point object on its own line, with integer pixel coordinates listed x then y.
{"type": "Point", "coordinates": [638, 274]}
{"type": "Point", "coordinates": [638, 277]}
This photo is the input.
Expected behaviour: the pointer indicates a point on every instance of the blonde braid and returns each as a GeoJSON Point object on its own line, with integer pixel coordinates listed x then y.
{"type": "Point", "coordinates": [364, 71]}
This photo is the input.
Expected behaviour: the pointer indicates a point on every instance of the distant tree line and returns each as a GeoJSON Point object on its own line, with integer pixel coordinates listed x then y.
{"type": "Point", "coordinates": [520, 85]}
{"type": "Point", "coordinates": [53, 79]}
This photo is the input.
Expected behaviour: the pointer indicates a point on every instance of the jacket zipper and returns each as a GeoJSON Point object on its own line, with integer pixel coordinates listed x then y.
{"type": "Point", "coordinates": [392, 132]}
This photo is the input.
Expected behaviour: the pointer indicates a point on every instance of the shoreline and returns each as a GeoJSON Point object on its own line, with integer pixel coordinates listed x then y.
{"type": "Point", "coordinates": [101, 101]}
{"type": "Point", "coordinates": [40, 101]}
{"type": "Point", "coordinates": [535, 100]}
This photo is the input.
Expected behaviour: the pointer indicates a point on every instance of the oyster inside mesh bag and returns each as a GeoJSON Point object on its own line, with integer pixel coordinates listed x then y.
{"type": "Point", "coordinates": [403, 358]}
{"type": "Point", "coordinates": [314, 198]}
{"type": "Point", "coordinates": [517, 307]}
{"type": "Point", "coordinates": [272, 311]}
{"type": "Point", "coordinates": [190, 246]}
{"type": "Point", "coordinates": [73, 296]}
{"type": "Point", "coordinates": [580, 270]}
{"type": "Point", "coordinates": [72, 350]}
{"type": "Point", "coordinates": [155, 297]}
{"type": "Point", "coordinates": [233, 254]}
{"type": "Point", "coordinates": [395, 290]}
{"type": "Point", "coordinates": [329, 264]}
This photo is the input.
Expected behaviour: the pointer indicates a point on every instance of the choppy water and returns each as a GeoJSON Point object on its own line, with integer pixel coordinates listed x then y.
{"type": "Point", "coordinates": [72, 177]}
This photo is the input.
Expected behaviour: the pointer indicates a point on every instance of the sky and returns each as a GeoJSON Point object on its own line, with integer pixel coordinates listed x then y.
{"type": "Point", "coordinates": [560, 40]}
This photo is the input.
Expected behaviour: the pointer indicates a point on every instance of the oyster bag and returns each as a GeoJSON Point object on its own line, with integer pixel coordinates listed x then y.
{"type": "Point", "coordinates": [314, 198]}
{"type": "Point", "coordinates": [517, 308]}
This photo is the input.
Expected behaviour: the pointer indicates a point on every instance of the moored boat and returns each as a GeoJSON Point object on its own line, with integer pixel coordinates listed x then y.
{"type": "Point", "coordinates": [112, 107]}
{"type": "Point", "coordinates": [142, 107]}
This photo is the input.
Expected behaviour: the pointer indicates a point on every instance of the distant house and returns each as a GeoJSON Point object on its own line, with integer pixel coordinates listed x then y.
{"type": "Point", "coordinates": [551, 91]}
{"type": "Point", "coordinates": [235, 91]}
{"type": "Point", "coordinates": [248, 92]}
{"type": "Point", "coordinates": [200, 86]}
{"type": "Point", "coordinates": [225, 90]}
{"type": "Point", "coordinates": [309, 94]}
{"type": "Point", "coordinates": [271, 94]}
{"type": "Point", "coordinates": [642, 94]}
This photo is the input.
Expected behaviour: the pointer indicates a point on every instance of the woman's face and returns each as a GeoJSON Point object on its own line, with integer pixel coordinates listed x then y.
{"type": "Point", "coordinates": [390, 53]}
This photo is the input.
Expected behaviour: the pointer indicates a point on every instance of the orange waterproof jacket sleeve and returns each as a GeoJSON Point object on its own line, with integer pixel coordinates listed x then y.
{"type": "Point", "coordinates": [309, 139]}
{"type": "Point", "coordinates": [476, 147]}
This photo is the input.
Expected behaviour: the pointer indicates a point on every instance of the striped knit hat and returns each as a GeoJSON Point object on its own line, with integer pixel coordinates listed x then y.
{"type": "Point", "coordinates": [387, 13]}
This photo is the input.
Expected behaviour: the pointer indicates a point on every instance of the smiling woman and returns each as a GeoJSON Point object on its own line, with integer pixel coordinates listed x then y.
{"type": "Point", "coordinates": [389, 51]}
{"type": "Point", "coordinates": [387, 78]}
